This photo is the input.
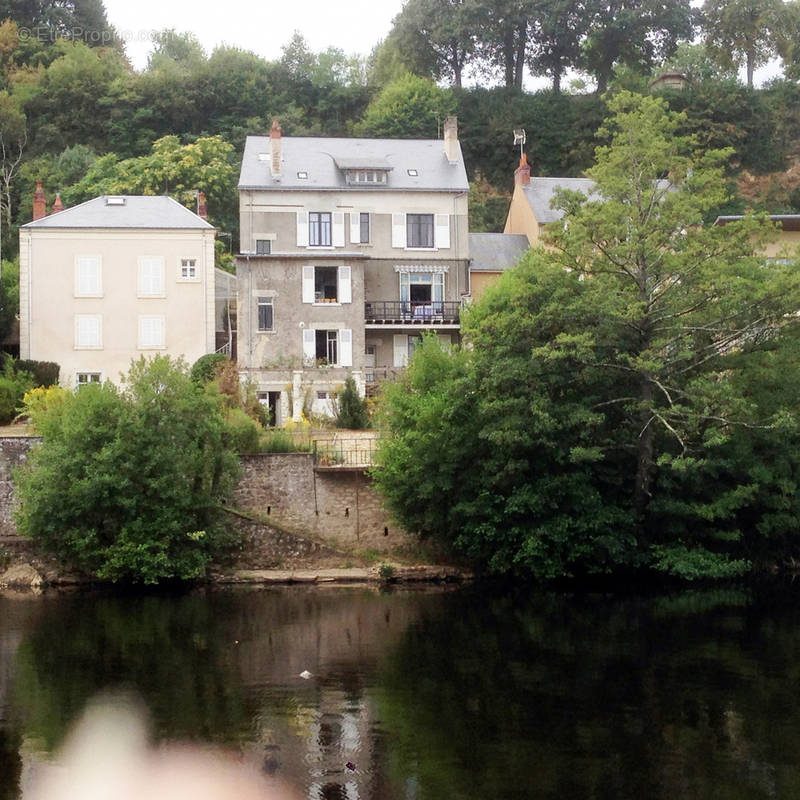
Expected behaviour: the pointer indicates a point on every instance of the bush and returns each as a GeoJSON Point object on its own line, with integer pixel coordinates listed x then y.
{"type": "Point", "coordinates": [205, 368]}
{"type": "Point", "coordinates": [352, 408]}
{"type": "Point", "coordinates": [242, 432]}
{"type": "Point", "coordinates": [13, 385]}
{"type": "Point", "coordinates": [44, 373]}
{"type": "Point", "coordinates": [127, 483]}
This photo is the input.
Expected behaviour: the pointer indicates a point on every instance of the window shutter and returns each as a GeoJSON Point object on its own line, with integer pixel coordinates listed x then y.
{"type": "Point", "coordinates": [346, 348]}
{"type": "Point", "coordinates": [398, 230]}
{"type": "Point", "coordinates": [302, 229]}
{"type": "Point", "coordinates": [442, 231]}
{"type": "Point", "coordinates": [88, 281]}
{"type": "Point", "coordinates": [88, 330]}
{"type": "Point", "coordinates": [400, 350]}
{"type": "Point", "coordinates": [151, 276]}
{"type": "Point", "coordinates": [345, 288]}
{"type": "Point", "coordinates": [355, 227]}
{"type": "Point", "coordinates": [151, 331]}
{"type": "Point", "coordinates": [338, 229]}
{"type": "Point", "coordinates": [309, 347]}
{"type": "Point", "coordinates": [308, 284]}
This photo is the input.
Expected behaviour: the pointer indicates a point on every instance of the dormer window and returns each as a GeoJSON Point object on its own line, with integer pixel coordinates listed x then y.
{"type": "Point", "coordinates": [302, 175]}
{"type": "Point", "coordinates": [366, 176]}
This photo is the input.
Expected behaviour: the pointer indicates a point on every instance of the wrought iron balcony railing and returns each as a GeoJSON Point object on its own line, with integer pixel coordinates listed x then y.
{"type": "Point", "coordinates": [388, 312]}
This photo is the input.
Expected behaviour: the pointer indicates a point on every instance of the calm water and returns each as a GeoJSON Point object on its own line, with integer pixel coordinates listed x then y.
{"type": "Point", "coordinates": [430, 694]}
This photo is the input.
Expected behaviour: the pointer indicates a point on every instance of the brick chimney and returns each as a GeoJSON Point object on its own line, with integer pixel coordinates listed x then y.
{"type": "Point", "coordinates": [39, 202]}
{"type": "Point", "coordinates": [451, 139]}
{"type": "Point", "coordinates": [275, 149]}
{"type": "Point", "coordinates": [57, 204]}
{"type": "Point", "coordinates": [522, 174]}
{"type": "Point", "coordinates": [202, 208]}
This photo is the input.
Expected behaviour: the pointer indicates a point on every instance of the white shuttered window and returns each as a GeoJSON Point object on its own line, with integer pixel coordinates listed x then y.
{"type": "Point", "coordinates": [346, 348]}
{"type": "Point", "coordinates": [89, 330]}
{"type": "Point", "coordinates": [345, 285]}
{"type": "Point", "coordinates": [88, 276]}
{"type": "Point", "coordinates": [151, 276]}
{"type": "Point", "coordinates": [442, 231]}
{"type": "Point", "coordinates": [151, 332]}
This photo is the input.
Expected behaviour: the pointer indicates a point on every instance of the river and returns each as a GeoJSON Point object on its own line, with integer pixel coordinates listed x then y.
{"type": "Point", "coordinates": [439, 694]}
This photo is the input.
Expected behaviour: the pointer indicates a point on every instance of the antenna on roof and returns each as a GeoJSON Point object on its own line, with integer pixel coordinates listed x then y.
{"type": "Point", "coordinates": [519, 139]}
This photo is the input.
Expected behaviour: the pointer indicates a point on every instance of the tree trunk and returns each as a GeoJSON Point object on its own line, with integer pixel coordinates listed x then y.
{"type": "Point", "coordinates": [751, 65]}
{"type": "Point", "coordinates": [557, 80]}
{"type": "Point", "coordinates": [522, 43]}
{"type": "Point", "coordinates": [644, 455]}
{"type": "Point", "coordinates": [508, 58]}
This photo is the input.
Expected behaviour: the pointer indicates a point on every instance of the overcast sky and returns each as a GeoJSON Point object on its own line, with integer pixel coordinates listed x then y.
{"type": "Point", "coordinates": [263, 27]}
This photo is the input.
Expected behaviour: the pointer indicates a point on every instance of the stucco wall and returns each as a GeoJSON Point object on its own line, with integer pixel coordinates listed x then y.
{"type": "Point", "coordinates": [340, 508]}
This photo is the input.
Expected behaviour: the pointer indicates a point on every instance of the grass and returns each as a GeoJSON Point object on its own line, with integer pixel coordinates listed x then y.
{"type": "Point", "coordinates": [276, 440]}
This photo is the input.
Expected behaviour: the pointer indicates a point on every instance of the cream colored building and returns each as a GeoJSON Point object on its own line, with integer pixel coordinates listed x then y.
{"type": "Point", "coordinates": [114, 279]}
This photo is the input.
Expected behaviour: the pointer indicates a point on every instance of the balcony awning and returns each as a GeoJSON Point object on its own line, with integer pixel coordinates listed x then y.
{"type": "Point", "coordinates": [406, 268]}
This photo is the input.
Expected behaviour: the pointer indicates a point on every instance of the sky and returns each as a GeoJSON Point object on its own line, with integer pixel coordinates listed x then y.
{"type": "Point", "coordinates": [353, 26]}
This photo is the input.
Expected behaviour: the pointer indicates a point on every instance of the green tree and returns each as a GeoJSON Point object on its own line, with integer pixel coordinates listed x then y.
{"type": "Point", "coordinates": [636, 33]}
{"type": "Point", "coordinates": [410, 107]}
{"type": "Point", "coordinates": [436, 37]}
{"type": "Point", "coordinates": [599, 371]}
{"type": "Point", "coordinates": [505, 27]}
{"type": "Point", "coordinates": [556, 36]}
{"type": "Point", "coordinates": [352, 408]}
{"type": "Point", "coordinates": [127, 483]}
{"type": "Point", "coordinates": [746, 30]}
{"type": "Point", "coordinates": [182, 48]}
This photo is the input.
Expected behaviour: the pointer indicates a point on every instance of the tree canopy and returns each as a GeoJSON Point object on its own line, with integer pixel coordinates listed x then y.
{"type": "Point", "coordinates": [604, 376]}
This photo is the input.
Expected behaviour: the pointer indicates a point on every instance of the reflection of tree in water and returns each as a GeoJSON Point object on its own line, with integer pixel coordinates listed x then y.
{"type": "Point", "coordinates": [174, 652]}
{"type": "Point", "coordinates": [594, 697]}
{"type": "Point", "coordinates": [10, 765]}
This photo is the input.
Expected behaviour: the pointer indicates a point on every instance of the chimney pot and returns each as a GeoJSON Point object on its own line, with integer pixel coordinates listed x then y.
{"type": "Point", "coordinates": [57, 204]}
{"type": "Point", "coordinates": [522, 174]}
{"type": "Point", "coordinates": [39, 202]}
{"type": "Point", "coordinates": [202, 207]}
{"type": "Point", "coordinates": [275, 149]}
{"type": "Point", "coordinates": [451, 138]}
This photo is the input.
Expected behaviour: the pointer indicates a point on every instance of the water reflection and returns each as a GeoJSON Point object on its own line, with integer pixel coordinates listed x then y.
{"type": "Point", "coordinates": [464, 694]}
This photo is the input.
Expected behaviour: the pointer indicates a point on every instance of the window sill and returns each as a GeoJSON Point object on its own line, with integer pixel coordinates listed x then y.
{"type": "Point", "coordinates": [326, 304]}
{"type": "Point", "coordinates": [320, 247]}
{"type": "Point", "coordinates": [152, 347]}
{"type": "Point", "coordinates": [422, 249]}
{"type": "Point", "coordinates": [151, 296]}
{"type": "Point", "coordinates": [88, 296]}
{"type": "Point", "coordinates": [88, 347]}
{"type": "Point", "coordinates": [273, 331]}
{"type": "Point", "coordinates": [186, 280]}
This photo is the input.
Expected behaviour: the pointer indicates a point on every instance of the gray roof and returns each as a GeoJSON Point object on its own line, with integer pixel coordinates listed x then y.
{"type": "Point", "coordinates": [540, 194]}
{"type": "Point", "coordinates": [788, 222]}
{"type": "Point", "coordinates": [318, 157]}
{"type": "Point", "coordinates": [495, 252]}
{"type": "Point", "coordinates": [152, 212]}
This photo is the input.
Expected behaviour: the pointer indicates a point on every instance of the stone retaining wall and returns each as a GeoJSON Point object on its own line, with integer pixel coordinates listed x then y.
{"type": "Point", "coordinates": [337, 507]}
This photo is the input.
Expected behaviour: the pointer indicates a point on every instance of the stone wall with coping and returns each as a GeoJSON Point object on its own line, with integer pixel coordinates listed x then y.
{"type": "Point", "coordinates": [339, 508]}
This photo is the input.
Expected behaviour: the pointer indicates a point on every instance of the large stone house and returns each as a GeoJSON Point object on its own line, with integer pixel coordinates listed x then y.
{"type": "Point", "coordinates": [350, 248]}
{"type": "Point", "coordinates": [114, 279]}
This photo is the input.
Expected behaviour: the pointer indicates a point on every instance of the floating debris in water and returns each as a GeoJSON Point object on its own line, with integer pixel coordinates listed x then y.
{"type": "Point", "coordinates": [351, 766]}
{"type": "Point", "coordinates": [305, 675]}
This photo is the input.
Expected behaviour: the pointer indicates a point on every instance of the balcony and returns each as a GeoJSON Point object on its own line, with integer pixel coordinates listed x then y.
{"type": "Point", "coordinates": [436, 313]}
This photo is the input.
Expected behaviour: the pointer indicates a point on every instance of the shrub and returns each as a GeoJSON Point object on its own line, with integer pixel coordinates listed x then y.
{"type": "Point", "coordinates": [44, 373]}
{"type": "Point", "coordinates": [242, 432]}
{"type": "Point", "coordinates": [205, 368]}
{"type": "Point", "coordinates": [352, 408]}
{"type": "Point", "coordinates": [13, 385]}
{"type": "Point", "coordinates": [37, 402]}
{"type": "Point", "coordinates": [281, 441]}
{"type": "Point", "coordinates": [127, 483]}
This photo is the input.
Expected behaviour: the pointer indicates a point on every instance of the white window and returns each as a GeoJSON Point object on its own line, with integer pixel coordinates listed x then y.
{"type": "Point", "coordinates": [421, 231]}
{"type": "Point", "coordinates": [151, 276]}
{"type": "Point", "coordinates": [327, 285]}
{"type": "Point", "coordinates": [88, 276]}
{"type": "Point", "coordinates": [85, 378]}
{"type": "Point", "coordinates": [421, 290]}
{"type": "Point", "coordinates": [328, 348]}
{"type": "Point", "coordinates": [188, 271]}
{"type": "Point", "coordinates": [89, 331]}
{"type": "Point", "coordinates": [359, 227]}
{"type": "Point", "coordinates": [151, 332]}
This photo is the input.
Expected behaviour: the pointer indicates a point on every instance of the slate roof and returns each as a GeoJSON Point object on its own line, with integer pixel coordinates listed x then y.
{"type": "Point", "coordinates": [495, 252]}
{"type": "Point", "coordinates": [788, 222]}
{"type": "Point", "coordinates": [318, 158]}
{"type": "Point", "coordinates": [540, 191]}
{"type": "Point", "coordinates": [139, 211]}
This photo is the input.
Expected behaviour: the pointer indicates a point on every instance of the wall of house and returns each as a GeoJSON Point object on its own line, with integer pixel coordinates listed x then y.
{"type": "Point", "coordinates": [339, 508]}
{"type": "Point", "coordinates": [521, 218]}
{"type": "Point", "coordinates": [48, 301]}
{"type": "Point", "coordinates": [480, 281]}
{"type": "Point", "coordinates": [787, 245]}
{"type": "Point", "coordinates": [282, 280]}
{"type": "Point", "coordinates": [274, 212]}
